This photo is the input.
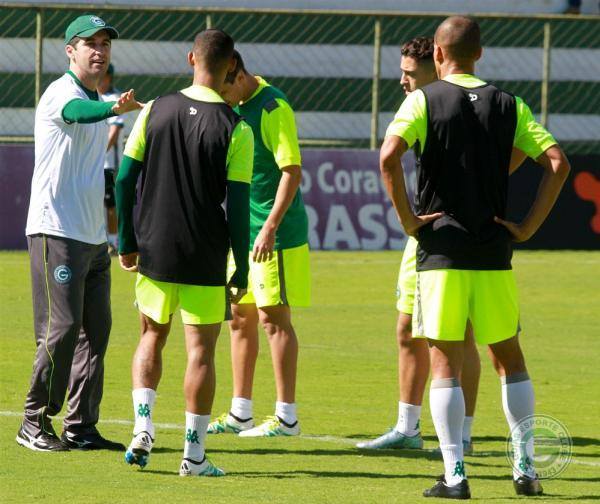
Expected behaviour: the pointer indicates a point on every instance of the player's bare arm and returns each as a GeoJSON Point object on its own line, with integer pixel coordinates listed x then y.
{"type": "Point", "coordinates": [291, 177]}
{"type": "Point", "coordinates": [556, 169]}
{"type": "Point", "coordinates": [392, 173]}
{"type": "Point", "coordinates": [516, 160]}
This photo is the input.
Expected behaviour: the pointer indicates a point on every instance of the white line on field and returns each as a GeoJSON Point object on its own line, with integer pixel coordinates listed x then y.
{"type": "Point", "coordinates": [324, 438]}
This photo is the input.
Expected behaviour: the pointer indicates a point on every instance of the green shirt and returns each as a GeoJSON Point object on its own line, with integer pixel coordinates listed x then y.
{"type": "Point", "coordinates": [240, 151]}
{"type": "Point", "coordinates": [272, 120]}
{"type": "Point", "coordinates": [410, 122]}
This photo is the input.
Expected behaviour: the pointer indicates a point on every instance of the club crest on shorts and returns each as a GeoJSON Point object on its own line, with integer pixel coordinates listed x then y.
{"type": "Point", "coordinates": [62, 274]}
{"type": "Point", "coordinates": [95, 20]}
{"type": "Point", "coordinates": [473, 97]}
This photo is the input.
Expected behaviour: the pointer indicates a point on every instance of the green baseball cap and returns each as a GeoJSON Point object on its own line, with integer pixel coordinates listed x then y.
{"type": "Point", "coordinates": [86, 26]}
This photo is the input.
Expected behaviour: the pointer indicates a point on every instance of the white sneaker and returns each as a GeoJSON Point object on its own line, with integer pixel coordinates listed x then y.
{"type": "Point", "coordinates": [271, 427]}
{"type": "Point", "coordinates": [139, 449]}
{"type": "Point", "coordinates": [228, 423]}
{"type": "Point", "coordinates": [190, 467]}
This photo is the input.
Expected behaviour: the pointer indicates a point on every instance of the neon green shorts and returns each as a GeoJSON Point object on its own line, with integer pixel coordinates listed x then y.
{"type": "Point", "coordinates": [284, 280]}
{"type": "Point", "coordinates": [446, 298]}
{"type": "Point", "coordinates": [199, 304]}
{"type": "Point", "coordinates": [407, 278]}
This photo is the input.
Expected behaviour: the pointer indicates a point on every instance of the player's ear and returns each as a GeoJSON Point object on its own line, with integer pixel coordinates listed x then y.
{"type": "Point", "coordinates": [231, 67]}
{"type": "Point", "coordinates": [191, 59]}
{"type": "Point", "coordinates": [69, 51]}
{"type": "Point", "coordinates": [438, 54]}
{"type": "Point", "coordinates": [479, 54]}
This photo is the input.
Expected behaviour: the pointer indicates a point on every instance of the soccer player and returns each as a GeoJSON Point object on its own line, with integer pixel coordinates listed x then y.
{"type": "Point", "coordinates": [111, 163]}
{"type": "Point", "coordinates": [193, 152]}
{"type": "Point", "coordinates": [413, 357]}
{"type": "Point", "coordinates": [279, 259]}
{"type": "Point", "coordinates": [418, 70]}
{"type": "Point", "coordinates": [466, 129]}
{"type": "Point", "coordinates": [66, 235]}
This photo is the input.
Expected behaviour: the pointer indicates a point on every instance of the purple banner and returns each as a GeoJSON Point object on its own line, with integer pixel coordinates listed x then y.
{"type": "Point", "coordinates": [16, 170]}
{"type": "Point", "coordinates": [346, 203]}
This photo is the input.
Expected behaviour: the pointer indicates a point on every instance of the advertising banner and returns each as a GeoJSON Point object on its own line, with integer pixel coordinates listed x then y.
{"type": "Point", "coordinates": [348, 208]}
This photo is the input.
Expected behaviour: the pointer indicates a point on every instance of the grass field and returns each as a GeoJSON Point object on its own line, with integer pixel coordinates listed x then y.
{"type": "Point", "coordinates": [347, 390]}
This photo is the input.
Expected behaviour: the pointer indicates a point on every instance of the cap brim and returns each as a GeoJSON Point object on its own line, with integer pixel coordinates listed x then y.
{"type": "Point", "coordinates": [114, 34]}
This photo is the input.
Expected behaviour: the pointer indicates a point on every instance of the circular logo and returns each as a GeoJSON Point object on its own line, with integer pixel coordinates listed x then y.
{"type": "Point", "coordinates": [95, 20]}
{"type": "Point", "coordinates": [553, 446]}
{"type": "Point", "coordinates": [62, 274]}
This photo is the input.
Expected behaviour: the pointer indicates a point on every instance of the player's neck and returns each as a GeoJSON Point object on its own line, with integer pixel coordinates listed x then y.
{"type": "Point", "coordinates": [207, 80]}
{"type": "Point", "coordinates": [453, 67]}
{"type": "Point", "coordinates": [90, 82]}
{"type": "Point", "coordinates": [250, 86]}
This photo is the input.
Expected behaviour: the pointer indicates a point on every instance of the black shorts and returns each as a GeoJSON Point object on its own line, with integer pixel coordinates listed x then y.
{"type": "Point", "coordinates": [109, 188]}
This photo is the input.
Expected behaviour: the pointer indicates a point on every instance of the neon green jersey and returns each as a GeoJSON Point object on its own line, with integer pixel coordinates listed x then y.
{"type": "Point", "coordinates": [271, 118]}
{"type": "Point", "coordinates": [240, 150]}
{"type": "Point", "coordinates": [410, 122]}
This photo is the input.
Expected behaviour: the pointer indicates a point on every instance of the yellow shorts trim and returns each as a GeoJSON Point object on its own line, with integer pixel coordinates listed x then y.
{"type": "Point", "coordinates": [445, 299]}
{"type": "Point", "coordinates": [200, 304]}
{"type": "Point", "coordinates": [407, 278]}
{"type": "Point", "coordinates": [284, 280]}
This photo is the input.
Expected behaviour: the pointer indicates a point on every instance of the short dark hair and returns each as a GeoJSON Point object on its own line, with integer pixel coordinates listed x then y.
{"type": "Point", "coordinates": [239, 67]}
{"type": "Point", "coordinates": [419, 48]}
{"type": "Point", "coordinates": [213, 48]}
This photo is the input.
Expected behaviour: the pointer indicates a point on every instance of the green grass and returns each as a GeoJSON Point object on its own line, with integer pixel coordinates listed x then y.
{"type": "Point", "coordinates": [347, 390]}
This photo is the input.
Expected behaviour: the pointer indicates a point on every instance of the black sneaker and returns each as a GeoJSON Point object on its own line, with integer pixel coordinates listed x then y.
{"type": "Point", "coordinates": [525, 485]}
{"type": "Point", "coordinates": [44, 441]}
{"type": "Point", "coordinates": [89, 441]}
{"type": "Point", "coordinates": [440, 489]}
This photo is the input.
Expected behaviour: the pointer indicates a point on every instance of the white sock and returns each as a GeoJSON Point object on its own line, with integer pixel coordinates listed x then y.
{"type": "Point", "coordinates": [286, 411]}
{"type": "Point", "coordinates": [241, 408]}
{"type": "Point", "coordinates": [195, 432]}
{"type": "Point", "coordinates": [468, 423]}
{"type": "Point", "coordinates": [408, 419]}
{"type": "Point", "coordinates": [143, 406]}
{"type": "Point", "coordinates": [518, 402]}
{"type": "Point", "coordinates": [447, 405]}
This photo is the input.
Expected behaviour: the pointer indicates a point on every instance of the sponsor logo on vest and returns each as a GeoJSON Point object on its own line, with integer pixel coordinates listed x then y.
{"type": "Point", "coordinates": [97, 21]}
{"type": "Point", "coordinates": [193, 111]}
{"type": "Point", "coordinates": [473, 97]}
{"type": "Point", "coordinates": [62, 274]}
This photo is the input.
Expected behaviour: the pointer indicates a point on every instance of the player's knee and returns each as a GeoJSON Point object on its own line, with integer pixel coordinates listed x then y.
{"type": "Point", "coordinates": [404, 335]}
{"type": "Point", "coordinates": [68, 328]}
{"type": "Point", "coordinates": [157, 339]}
{"type": "Point", "coordinates": [275, 319]}
{"type": "Point", "coordinates": [201, 355]}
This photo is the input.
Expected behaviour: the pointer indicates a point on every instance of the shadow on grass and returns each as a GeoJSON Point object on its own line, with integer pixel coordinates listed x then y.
{"type": "Point", "coordinates": [546, 496]}
{"type": "Point", "coordinates": [352, 452]}
{"type": "Point", "coordinates": [324, 474]}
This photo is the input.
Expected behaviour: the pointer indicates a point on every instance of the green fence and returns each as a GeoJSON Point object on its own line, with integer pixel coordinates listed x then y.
{"type": "Point", "coordinates": [339, 69]}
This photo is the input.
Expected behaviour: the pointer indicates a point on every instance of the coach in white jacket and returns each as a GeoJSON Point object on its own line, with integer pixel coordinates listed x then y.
{"type": "Point", "coordinates": [70, 265]}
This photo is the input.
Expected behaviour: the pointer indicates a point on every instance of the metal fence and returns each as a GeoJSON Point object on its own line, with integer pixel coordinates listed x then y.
{"type": "Point", "coordinates": [339, 69]}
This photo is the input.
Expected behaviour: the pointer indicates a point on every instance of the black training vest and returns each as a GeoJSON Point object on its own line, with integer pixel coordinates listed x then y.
{"type": "Point", "coordinates": [181, 226]}
{"type": "Point", "coordinates": [463, 172]}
